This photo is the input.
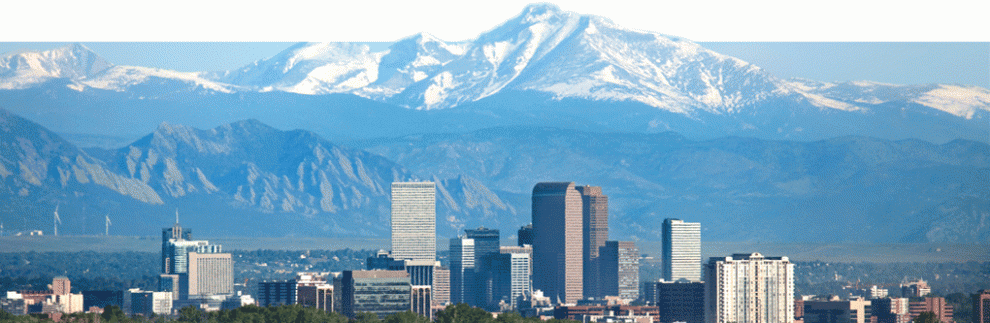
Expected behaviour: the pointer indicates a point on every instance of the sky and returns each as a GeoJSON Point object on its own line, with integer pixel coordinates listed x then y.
{"type": "Point", "coordinates": [828, 41]}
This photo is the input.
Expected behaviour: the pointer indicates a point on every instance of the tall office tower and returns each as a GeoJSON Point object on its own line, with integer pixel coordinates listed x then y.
{"type": "Point", "coordinates": [594, 233]}
{"type": "Point", "coordinates": [836, 311]}
{"type": "Point", "coordinates": [461, 270]}
{"type": "Point", "coordinates": [511, 280]}
{"type": "Point", "coordinates": [525, 235]}
{"type": "Point", "coordinates": [486, 246]}
{"type": "Point", "coordinates": [382, 292]}
{"type": "Point", "coordinates": [210, 274]}
{"type": "Point", "coordinates": [485, 242]}
{"type": "Point", "coordinates": [175, 233]}
{"type": "Point", "coordinates": [414, 218]}
{"type": "Point", "coordinates": [61, 285]}
{"type": "Point", "coordinates": [681, 250]}
{"type": "Point", "coordinates": [981, 306]}
{"type": "Point", "coordinates": [749, 288]}
{"type": "Point", "coordinates": [557, 241]}
{"type": "Point", "coordinates": [619, 262]}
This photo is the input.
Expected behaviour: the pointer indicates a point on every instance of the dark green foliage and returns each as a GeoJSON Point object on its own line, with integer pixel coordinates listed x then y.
{"type": "Point", "coordinates": [463, 313]}
{"type": "Point", "coordinates": [926, 317]}
{"type": "Point", "coordinates": [365, 317]}
{"type": "Point", "coordinates": [962, 307]}
{"type": "Point", "coordinates": [406, 317]}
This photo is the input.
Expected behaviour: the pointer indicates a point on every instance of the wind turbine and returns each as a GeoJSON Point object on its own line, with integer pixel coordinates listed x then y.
{"type": "Point", "coordinates": [108, 224]}
{"type": "Point", "coordinates": [56, 221]}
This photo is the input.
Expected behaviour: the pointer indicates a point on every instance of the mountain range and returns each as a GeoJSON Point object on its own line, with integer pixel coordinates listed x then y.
{"type": "Point", "coordinates": [667, 127]}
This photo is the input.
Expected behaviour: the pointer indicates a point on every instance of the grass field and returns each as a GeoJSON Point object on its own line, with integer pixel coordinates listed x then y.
{"type": "Point", "coordinates": [876, 253]}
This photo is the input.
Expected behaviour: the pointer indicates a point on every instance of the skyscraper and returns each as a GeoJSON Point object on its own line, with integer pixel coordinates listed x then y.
{"type": "Point", "coordinates": [210, 274]}
{"type": "Point", "coordinates": [681, 250]}
{"type": "Point", "coordinates": [525, 235]}
{"type": "Point", "coordinates": [558, 244]}
{"type": "Point", "coordinates": [749, 288]}
{"type": "Point", "coordinates": [981, 306]}
{"type": "Point", "coordinates": [461, 270]}
{"type": "Point", "coordinates": [414, 219]}
{"type": "Point", "coordinates": [594, 216]}
{"type": "Point", "coordinates": [486, 246]}
{"type": "Point", "coordinates": [619, 262]}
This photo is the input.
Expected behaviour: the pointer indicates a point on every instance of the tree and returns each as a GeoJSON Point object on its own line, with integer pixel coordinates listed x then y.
{"type": "Point", "coordinates": [191, 314]}
{"type": "Point", "coordinates": [112, 313]}
{"type": "Point", "coordinates": [926, 317]}
{"type": "Point", "coordinates": [366, 317]}
{"type": "Point", "coordinates": [463, 313]}
{"type": "Point", "coordinates": [406, 317]}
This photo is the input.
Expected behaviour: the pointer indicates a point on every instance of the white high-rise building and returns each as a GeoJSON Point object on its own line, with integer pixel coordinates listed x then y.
{"type": "Point", "coordinates": [749, 288]}
{"type": "Point", "coordinates": [414, 218]}
{"type": "Point", "coordinates": [681, 250]}
{"type": "Point", "coordinates": [461, 270]}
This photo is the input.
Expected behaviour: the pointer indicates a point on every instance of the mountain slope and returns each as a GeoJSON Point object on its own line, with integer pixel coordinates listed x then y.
{"type": "Point", "coordinates": [243, 179]}
{"type": "Point", "coordinates": [310, 68]}
{"type": "Point", "coordinates": [844, 189]}
{"type": "Point", "coordinates": [30, 68]}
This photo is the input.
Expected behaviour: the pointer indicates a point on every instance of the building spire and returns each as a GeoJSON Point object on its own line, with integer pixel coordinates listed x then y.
{"type": "Point", "coordinates": [176, 216]}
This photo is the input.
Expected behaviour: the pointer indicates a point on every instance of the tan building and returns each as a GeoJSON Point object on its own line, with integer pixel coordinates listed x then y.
{"type": "Point", "coordinates": [937, 305]}
{"type": "Point", "coordinates": [558, 242]}
{"type": "Point", "coordinates": [594, 217]}
{"type": "Point", "coordinates": [981, 306]}
{"type": "Point", "coordinates": [210, 274]}
{"type": "Point", "coordinates": [61, 285]}
{"type": "Point", "coordinates": [749, 288]}
{"type": "Point", "coordinates": [441, 286]}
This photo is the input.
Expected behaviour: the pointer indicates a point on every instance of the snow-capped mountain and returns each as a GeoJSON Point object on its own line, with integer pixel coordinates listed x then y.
{"type": "Point", "coordinates": [25, 69]}
{"type": "Point", "coordinates": [539, 64]}
{"type": "Point", "coordinates": [958, 100]}
{"type": "Point", "coordinates": [310, 68]}
{"type": "Point", "coordinates": [410, 60]}
{"type": "Point", "coordinates": [570, 55]}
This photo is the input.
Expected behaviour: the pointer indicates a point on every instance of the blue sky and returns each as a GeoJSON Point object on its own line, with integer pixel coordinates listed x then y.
{"type": "Point", "coordinates": [838, 41]}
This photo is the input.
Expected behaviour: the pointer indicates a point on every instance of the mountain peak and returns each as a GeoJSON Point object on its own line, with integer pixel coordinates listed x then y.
{"type": "Point", "coordinates": [539, 12]}
{"type": "Point", "coordinates": [74, 61]}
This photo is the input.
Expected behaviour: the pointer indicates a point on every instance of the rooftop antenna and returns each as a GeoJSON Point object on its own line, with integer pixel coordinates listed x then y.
{"type": "Point", "coordinates": [108, 224]}
{"type": "Point", "coordinates": [56, 221]}
{"type": "Point", "coordinates": [176, 215]}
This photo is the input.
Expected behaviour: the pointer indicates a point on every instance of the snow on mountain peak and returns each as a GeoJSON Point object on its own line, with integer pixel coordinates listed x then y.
{"type": "Point", "coordinates": [74, 61]}
{"type": "Point", "coordinates": [311, 68]}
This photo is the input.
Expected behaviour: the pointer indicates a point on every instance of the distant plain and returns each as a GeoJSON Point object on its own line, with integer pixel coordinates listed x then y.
{"type": "Point", "coordinates": [840, 252]}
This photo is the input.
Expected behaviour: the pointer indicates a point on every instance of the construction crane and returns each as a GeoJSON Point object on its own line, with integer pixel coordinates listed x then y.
{"type": "Point", "coordinates": [56, 221]}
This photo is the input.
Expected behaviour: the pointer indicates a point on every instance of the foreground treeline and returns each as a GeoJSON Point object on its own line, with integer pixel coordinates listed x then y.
{"type": "Point", "coordinates": [460, 313]}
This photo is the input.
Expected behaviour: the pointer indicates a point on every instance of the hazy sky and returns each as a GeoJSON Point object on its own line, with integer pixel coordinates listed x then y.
{"type": "Point", "coordinates": [835, 41]}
